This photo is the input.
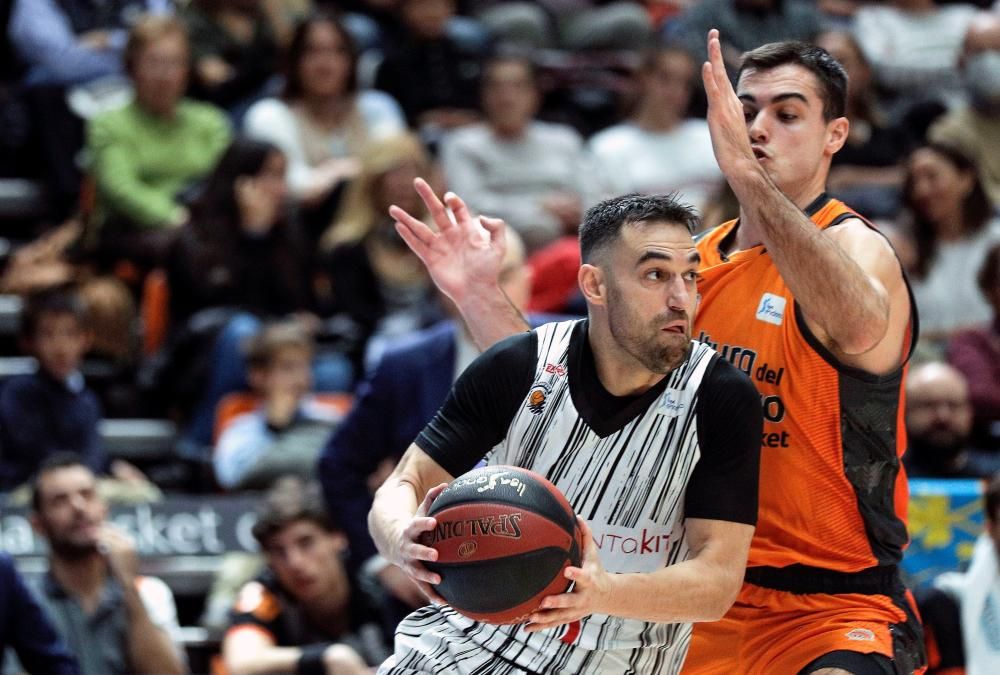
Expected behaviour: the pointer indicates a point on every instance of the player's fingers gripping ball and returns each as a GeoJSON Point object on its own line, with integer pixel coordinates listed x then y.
{"type": "Point", "coordinates": [504, 536]}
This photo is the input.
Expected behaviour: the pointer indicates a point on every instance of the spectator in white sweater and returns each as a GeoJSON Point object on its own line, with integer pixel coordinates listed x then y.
{"type": "Point", "coordinates": [915, 46]}
{"type": "Point", "coordinates": [659, 149]}
{"type": "Point", "coordinates": [535, 175]}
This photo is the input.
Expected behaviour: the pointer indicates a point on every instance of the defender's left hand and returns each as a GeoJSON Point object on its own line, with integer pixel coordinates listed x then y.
{"type": "Point", "coordinates": [590, 594]}
{"type": "Point", "coordinates": [726, 122]}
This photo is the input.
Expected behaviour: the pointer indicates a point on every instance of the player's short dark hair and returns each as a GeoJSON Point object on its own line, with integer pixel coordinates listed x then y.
{"type": "Point", "coordinates": [831, 75]}
{"type": "Point", "coordinates": [54, 462]}
{"type": "Point", "coordinates": [60, 300]}
{"type": "Point", "coordinates": [989, 272]}
{"type": "Point", "coordinates": [992, 498]}
{"type": "Point", "coordinates": [289, 501]}
{"type": "Point", "coordinates": [604, 221]}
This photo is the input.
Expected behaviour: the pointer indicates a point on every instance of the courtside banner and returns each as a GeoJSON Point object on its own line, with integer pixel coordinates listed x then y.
{"type": "Point", "coordinates": [176, 526]}
{"type": "Point", "coordinates": [946, 517]}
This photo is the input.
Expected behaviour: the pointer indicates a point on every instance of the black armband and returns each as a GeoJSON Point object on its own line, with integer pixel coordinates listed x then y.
{"type": "Point", "coordinates": [311, 660]}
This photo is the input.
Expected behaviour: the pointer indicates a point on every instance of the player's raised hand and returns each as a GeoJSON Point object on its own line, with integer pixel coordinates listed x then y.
{"type": "Point", "coordinates": [465, 252]}
{"type": "Point", "coordinates": [411, 552]}
{"type": "Point", "coordinates": [591, 591]}
{"type": "Point", "coordinates": [726, 122]}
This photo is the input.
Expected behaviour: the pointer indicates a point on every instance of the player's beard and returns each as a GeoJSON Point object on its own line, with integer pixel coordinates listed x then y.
{"type": "Point", "coordinates": [657, 351]}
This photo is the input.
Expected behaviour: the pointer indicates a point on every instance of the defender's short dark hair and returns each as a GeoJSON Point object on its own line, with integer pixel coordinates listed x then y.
{"type": "Point", "coordinates": [54, 462]}
{"type": "Point", "coordinates": [603, 222]}
{"type": "Point", "coordinates": [290, 500]}
{"type": "Point", "coordinates": [59, 300]}
{"type": "Point", "coordinates": [831, 75]}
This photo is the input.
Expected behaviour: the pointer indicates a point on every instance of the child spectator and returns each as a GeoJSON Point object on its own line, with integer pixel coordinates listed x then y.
{"type": "Point", "coordinates": [301, 615]}
{"type": "Point", "coordinates": [52, 410]}
{"type": "Point", "coordinates": [285, 434]}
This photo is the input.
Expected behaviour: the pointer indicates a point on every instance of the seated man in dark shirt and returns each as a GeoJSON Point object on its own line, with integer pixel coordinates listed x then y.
{"type": "Point", "coordinates": [301, 615]}
{"type": "Point", "coordinates": [52, 410]}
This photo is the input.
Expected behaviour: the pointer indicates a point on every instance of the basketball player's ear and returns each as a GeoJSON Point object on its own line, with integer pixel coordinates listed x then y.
{"type": "Point", "coordinates": [837, 132]}
{"type": "Point", "coordinates": [591, 281]}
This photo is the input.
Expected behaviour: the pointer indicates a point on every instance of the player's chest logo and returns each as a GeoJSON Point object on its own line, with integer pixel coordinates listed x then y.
{"type": "Point", "coordinates": [771, 309]}
{"type": "Point", "coordinates": [538, 397]}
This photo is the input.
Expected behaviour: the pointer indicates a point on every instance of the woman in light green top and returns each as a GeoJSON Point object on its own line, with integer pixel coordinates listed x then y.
{"type": "Point", "coordinates": [146, 153]}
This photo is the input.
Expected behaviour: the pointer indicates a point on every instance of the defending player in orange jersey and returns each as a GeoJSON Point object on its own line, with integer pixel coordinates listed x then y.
{"type": "Point", "coordinates": [810, 301]}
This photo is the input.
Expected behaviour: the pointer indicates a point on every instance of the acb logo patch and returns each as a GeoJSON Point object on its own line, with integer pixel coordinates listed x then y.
{"type": "Point", "coordinates": [538, 397]}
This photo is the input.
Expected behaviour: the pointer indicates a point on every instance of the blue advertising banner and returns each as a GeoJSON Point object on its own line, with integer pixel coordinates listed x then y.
{"type": "Point", "coordinates": [946, 517]}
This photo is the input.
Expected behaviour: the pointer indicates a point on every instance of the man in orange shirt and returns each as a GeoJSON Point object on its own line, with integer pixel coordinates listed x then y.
{"type": "Point", "coordinates": [810, 301]}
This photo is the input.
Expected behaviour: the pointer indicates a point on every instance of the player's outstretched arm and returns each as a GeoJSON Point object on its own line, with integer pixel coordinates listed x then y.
{"type": "Point", "coordinates": [464, 256]}
{"type": "Point", "coordinates": [702, 588]}
{"type": "Point", "coordinates": [399, 516]}
{"type": "Point", "coordinates": [848, 303]}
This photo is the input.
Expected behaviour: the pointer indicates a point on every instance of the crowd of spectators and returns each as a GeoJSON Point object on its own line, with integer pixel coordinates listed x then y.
{"type": "Point", "coordinates": [209, 244]}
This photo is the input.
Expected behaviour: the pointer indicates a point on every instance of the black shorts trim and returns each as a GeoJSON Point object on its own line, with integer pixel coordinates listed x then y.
{"type": "Point", "coordinates": [855, 663]}
{"type": "Point", "coordinates": [803, 579]}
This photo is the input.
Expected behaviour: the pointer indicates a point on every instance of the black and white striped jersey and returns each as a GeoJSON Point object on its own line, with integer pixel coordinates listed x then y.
{"type": "Point", "coordinates": [633, 467]}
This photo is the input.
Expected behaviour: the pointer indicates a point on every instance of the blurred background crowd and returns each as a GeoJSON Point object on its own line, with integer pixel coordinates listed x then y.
{"type": "Point", "coordinates": [202, 295]}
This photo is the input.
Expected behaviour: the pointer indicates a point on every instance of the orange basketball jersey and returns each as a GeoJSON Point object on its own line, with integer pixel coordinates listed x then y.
{"type": "Point", "coordinates": [833, 493]}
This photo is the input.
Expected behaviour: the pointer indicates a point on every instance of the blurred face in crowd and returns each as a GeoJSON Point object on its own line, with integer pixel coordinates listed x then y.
{"type": "Point", "coordinates": [325, 65]}
{"type": "Point", "coordinates": [667, 84]}
{"type": "Point", "coordinates": [306, 560]}
{"type": "Point", "coordinates": [843, 48]}
{"type": "Point", "coordinates": [59, 343]}
{"type": "Point", "coordinates": [938, 412]}
{"type": "Point", "coordinates": [71, 514]}
{"type": "Point", "coordinates": [160, 73]}
{"type": "Point", "coordinates": [427, 18]}
{"type": "Point", "coordinates": [791, 139]}
{"type": "Point", "coordinates": [271, 183]}
{"type": "Point", "coordinates": [510, 96]}
{"type": "Point", "coordinates": [395, 186]}
{"type": "Point", "coordinates": [290, 370]}
{"type": "Point", "coordinates": [938, 188]}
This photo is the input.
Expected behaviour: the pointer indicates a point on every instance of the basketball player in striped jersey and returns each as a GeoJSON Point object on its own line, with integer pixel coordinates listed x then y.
{"type": "Point", "coordinates": [804, 296]}
{"type": "Point", "coordinates": [654, 439]}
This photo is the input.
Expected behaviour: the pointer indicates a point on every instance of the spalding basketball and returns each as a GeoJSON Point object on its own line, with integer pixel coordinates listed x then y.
{"type": "Point", "coordinates": [504, 536]}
